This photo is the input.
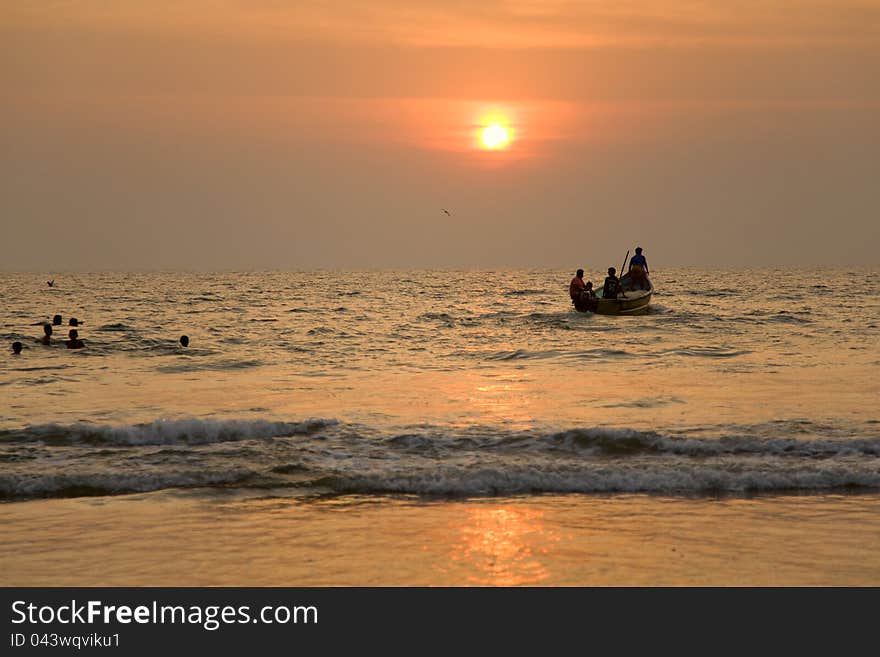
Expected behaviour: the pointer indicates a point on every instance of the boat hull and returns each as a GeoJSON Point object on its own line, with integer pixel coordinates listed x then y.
{"type": "Point", "coordinates": [636, 302]}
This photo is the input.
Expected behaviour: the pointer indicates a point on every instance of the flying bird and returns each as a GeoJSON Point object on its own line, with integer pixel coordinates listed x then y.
{"type": "Point", "coordinates": [51, 283]}
{"type": "Point", "coordinates": [446, 211]}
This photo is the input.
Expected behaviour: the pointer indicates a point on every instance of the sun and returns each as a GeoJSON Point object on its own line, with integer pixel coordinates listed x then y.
{"type": "Point", "coordinates": [495, 136]}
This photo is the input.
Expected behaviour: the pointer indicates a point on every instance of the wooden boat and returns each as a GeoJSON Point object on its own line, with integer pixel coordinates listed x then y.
{"type": "Point", "coordinates": [632, 302]}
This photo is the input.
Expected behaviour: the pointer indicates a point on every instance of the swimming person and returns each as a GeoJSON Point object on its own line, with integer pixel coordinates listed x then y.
{"type": "Point", "coordinates": [73, 322]}
{"type": "Point", "coordinates": [47, 335]}
{"type": "Point", "coordinates": [611, 288]}
{"type": "Point", "coordinates": [56, 321]}
{"type": "Point", "coordinates": [74, 342]}
{"type": "Point", "coordinates": [184, 340]}
{"type": "Point", "coordinates": [16, 348]}
{"type": "Point", "coordinates": [638, 269]}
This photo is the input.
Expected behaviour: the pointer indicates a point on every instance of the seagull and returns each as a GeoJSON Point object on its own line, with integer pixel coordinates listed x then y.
{"type": "Point", "coordinates": [446, 211]}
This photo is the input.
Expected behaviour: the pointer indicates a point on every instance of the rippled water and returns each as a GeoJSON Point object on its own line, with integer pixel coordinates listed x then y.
{"type": "Point", "coordinates": [440, 383]}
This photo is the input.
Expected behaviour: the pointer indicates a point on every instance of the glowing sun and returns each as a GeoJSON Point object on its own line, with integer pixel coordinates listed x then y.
{"type": "Point", "coordinates": [495, 136]}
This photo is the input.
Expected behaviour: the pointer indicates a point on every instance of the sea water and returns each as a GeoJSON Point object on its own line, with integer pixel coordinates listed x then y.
{"type": "Point", "coordinates": [432, 386]}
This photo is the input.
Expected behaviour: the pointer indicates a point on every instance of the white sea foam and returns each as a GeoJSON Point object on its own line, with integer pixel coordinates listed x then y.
{"type": "Point", "coordinates": [598, 478]}
{"type": "Point", "coordinates": [188, 431]}
{"type": "Point", "coordinates": [87, 484]}
{"type": "Point", "coordinates": [625, 441]}
{"type": "Point", "coordinates": [83, 459]}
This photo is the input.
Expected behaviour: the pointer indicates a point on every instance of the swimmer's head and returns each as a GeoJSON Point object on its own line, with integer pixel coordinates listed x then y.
{"type": "Point", "coordinates": [16, 347]}
{"type": "Point", "coordinates": [47, 329]}
{"type": "Point", "coordinates": [73, 321]}
{"type": "Point", "coordinates": [56, 320]}
{"type": "Point", "coordinates": [184, 340]}
{"type": "Point", "coordinates": [73, 334]}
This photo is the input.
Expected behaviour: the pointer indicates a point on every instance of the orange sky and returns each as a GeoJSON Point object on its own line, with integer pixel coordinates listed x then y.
{"type": "Point", "coordinates": [300, 134]}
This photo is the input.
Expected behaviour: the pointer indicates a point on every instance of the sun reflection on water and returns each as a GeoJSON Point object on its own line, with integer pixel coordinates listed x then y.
{"type": "Point", "coordinates": [503, 546]}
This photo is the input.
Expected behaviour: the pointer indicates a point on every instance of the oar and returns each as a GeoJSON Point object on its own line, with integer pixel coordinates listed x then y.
{"type": "Point", "coordinates": [620, 278]}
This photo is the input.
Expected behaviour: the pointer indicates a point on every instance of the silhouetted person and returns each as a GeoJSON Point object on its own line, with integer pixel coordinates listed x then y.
{"type": "Point", "coordinates": [588, 294]}
{"type": "Point", "coordinates": [576, 287]}
{"type": "Point", "coordinates": [73, 322]}
{"type": "Point", "coordinates": [611, 288]}
{"type": "Point", "coordinates": [47, 335]}
{"type": "Point", "coordinates": [56, 321]}
{"type": "Point", "coordinates": [640, 260]}
{"type": "Point", "coordinates": [74, 342]}
{"type": "Point", "coordinates": [16, 348]}
{"type": "Point", "coordinates": [638, 270]}
{"type": "Point", "coordinates": [184, 340]}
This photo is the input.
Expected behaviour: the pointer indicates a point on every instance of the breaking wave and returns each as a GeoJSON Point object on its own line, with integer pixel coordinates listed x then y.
{"type": "Point", "coordinates": [325, 456]}
{"type": "Point", "coordinates": [595, 478]}
{"type": "Point", "coordinates": [163, 432]}
{"type": "Point", "coordinates": [17, 486]}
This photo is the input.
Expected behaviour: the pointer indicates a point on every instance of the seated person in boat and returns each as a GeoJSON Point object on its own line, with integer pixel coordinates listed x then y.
{"type": "Point", "coordinates": [612, 288]}
{"type": "Point", "coordinates": [582, 295]}
{"type": "Point", "coordinates": [588, 298]}
{"type": "Point", "coordinates": [588, 294]}
{"type": "Point", "coordinates": [577, 286]}
{"type": "Point", "coordinates": [638, 271]}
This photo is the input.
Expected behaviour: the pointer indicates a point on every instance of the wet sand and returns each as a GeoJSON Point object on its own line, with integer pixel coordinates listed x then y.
{"type": "Point", "coordinates": [176, 538]}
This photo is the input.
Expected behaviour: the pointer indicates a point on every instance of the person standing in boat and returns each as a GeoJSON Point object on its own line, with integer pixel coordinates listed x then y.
{"type": "Point", "coordinates": [611, 288]}
{"type": "Point", "coordinates": [638, 270]}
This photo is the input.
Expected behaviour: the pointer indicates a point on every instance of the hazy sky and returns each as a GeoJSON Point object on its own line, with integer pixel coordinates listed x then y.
{"type": "Point", "coordinates": [270, 134]}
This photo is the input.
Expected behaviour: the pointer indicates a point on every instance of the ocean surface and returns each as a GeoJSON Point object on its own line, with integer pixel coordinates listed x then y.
{"type": "Point", "coordinates": [449, 385]}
